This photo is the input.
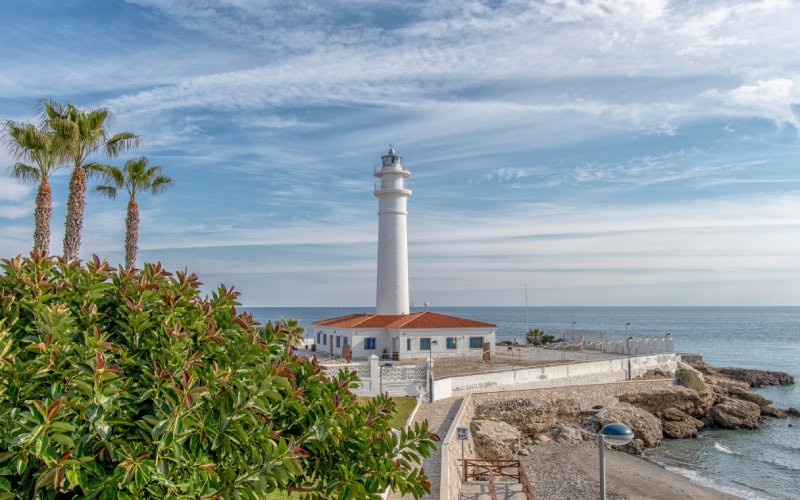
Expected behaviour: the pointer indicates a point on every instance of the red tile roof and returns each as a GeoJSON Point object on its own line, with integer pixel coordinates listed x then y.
{"type": "Point", "coordinates": [394, 321]}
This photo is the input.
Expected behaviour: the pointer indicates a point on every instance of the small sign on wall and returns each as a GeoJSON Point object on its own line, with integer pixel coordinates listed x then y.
{"type": "Point", "coordinates": [462, 433]}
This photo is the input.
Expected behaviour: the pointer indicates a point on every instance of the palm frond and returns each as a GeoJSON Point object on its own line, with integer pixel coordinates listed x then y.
{"type": "Point", "coordinates": [39, 146]}
{"type": "Point", "coordinates": [26, 173]}
{"type": "Point", "coordinates": [160, 184]}
{"type": "Point", "coordinates": [114, 176]}
{"type": "Point", "coordinates": [107, 191]}
{"type": "Point", "coordinates": [96, 168]}
{"type": "Point", "coordinates": [120, 142]}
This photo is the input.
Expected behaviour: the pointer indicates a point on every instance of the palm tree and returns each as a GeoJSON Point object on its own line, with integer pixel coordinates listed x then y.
{"type": "Point", "coordinates": [84, 133]}
{"type": "Point", "coordinates": [40, 153]}
{"type": "Point", "coordinates": [137, 176]}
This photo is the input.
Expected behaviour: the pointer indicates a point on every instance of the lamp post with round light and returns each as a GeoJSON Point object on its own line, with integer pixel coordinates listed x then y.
{"type": "Point", "coordinates": [430, 367]}
{"type": "Point", "coordinates": [615, 434]}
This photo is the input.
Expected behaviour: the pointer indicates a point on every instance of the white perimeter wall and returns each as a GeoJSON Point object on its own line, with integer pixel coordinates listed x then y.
{"type": "Point", "coordinates": [589, 372]}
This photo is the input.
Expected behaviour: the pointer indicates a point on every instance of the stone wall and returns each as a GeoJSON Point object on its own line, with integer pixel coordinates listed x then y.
{"type": "Point", "coordinates": [450, 475]}
{"type": "Point", "coordinates": [586, 395]}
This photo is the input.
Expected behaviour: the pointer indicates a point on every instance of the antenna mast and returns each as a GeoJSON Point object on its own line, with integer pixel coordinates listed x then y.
{"type": "Point", "coordinates": [527, 323]}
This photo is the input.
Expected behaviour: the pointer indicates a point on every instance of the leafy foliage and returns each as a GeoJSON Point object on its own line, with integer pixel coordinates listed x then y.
{"type": "Point", "coordinates": [536, 336]}
{"type": "Point", "coordinates": [130, 384]}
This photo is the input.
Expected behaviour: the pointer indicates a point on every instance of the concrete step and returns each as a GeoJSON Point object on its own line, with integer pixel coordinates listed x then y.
{"type": "Point", "coordinates": [479, 490]}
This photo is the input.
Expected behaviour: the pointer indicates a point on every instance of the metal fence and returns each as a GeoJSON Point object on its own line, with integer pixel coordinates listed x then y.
{"type": "Point", "coordinates": [512, 358]}
{"type": "Point", "coordinates": [631, 346]}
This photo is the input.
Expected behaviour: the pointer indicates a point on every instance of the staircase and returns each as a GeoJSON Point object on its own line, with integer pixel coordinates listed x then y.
{"type": "Point", "coordinates": [495, 480]}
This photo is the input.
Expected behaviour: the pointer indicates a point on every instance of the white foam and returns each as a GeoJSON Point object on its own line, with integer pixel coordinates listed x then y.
{"type": "Point", "coordinates": [727, 451]}
{"type": "Point", "coordinates": [708, 483]}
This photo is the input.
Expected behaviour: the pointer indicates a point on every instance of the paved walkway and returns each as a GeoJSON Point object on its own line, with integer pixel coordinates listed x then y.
{"type": "Point", "coordinates": [440, 415]}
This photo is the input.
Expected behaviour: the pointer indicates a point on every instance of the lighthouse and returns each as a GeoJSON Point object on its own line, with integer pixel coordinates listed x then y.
{"type": "Point", "coordinates": [392, 285]}
{"type": "Point", "coordinates": [392, 331]}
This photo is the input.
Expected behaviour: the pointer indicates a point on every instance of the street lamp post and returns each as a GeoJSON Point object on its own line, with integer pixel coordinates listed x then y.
{"type": "Point", "coordinates": [615, 434]}
{"type": "Point", "coordinates": [573, 331]}
{"type": "Point", "coordinates": [626, 328]}
{"type": "Point", "coordinates": [430, 369]}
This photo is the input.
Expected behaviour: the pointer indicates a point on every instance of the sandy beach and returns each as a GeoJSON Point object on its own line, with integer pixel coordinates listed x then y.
{"type": "Point", "coordinates": [561, 471]}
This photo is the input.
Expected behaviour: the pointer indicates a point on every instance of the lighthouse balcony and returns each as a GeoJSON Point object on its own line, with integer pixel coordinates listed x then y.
{"type": "Point", "coordinates": [395, 168]}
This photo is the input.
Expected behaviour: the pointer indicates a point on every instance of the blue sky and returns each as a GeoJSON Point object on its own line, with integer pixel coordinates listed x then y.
{"type": "Point", "coordinates": [630, 152]}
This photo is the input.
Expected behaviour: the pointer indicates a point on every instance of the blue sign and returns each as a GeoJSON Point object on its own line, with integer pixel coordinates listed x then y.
{"type": "Point", "coordinates": [462, 433]}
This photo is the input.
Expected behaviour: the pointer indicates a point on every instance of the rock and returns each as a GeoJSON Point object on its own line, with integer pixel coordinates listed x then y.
{"type": "Point", "coordinates": [792, 411]}
{"type": "Point", "coordinates": [754, 378]}
{"type": "Point", "coordinates": [565, 433]}
{"type": "Point", "coordinates": [636, 447]}
{"type": "Point", "coordinates": [688, 401]}
{"type": "Point", "coordinates": [653, 375]}
{"type": "Point", "coordinates": [532, 416]}
{"type": "Point", "coordinates": [771, 411]}
{"type": "Point", "coordinates": [543, 439]}
{"type": "Point", "coordinates": [746, 395]}
{"type": "Point", "coordinates": [645, 426]}
{"type": "Point", "coordinates": [494, 439]}
{"type": "Point", "coordinates": [679, 425]}
{"type": "Point", "coordinates": [736, 414]}
{"type": "Point", "coordinates": [682, 429]}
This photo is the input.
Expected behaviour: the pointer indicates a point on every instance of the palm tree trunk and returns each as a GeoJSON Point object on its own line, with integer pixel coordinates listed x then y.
{"type": "Point", "coordinates": [131, 233]}
{"type": "Point", "coordinates": [75, 202]}
{"type": "Point", "coordinates": [41, 217]}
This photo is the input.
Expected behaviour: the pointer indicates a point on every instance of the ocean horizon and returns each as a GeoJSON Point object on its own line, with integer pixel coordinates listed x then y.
{"type": "Point", "coordinates": [759, 464]}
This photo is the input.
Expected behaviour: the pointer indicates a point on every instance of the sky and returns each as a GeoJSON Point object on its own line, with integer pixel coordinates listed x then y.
{"type": "Point", "coordinates": [628, 152]}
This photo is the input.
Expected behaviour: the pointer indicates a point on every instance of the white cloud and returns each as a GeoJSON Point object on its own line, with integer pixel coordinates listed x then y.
{"type": "Point", "coordinates": [774, 99]}
{"type": "Point", "coordinates": [11, 190]}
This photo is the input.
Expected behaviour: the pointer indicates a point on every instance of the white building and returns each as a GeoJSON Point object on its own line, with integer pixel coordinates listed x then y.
{"type": "Point", "coordinates": [392, 331]}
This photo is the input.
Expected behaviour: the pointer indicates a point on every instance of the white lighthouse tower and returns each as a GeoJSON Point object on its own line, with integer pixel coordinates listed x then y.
{"type": "Point", "coordinates": [392, 291]}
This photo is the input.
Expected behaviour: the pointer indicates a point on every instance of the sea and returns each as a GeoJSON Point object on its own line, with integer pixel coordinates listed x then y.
{"type": "Point", "coordinates": [753, 464]}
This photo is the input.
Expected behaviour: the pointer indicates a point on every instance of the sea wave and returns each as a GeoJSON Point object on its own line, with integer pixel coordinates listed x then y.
{"type": "Point", "coordinates": [696, 478]}
{"type": "Point", "coordinates": [722, 449]}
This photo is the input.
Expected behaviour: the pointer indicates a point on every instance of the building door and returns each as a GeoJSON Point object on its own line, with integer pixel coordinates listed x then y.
{"type": "Point", "coordinates": [395, 348]}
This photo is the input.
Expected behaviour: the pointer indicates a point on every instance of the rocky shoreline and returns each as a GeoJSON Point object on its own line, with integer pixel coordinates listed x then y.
{"type": "Point", "coordinates": [707, 398]}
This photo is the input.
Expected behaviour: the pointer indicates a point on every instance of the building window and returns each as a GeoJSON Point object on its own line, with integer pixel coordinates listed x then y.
{"type": "Point", "coordinates": [451, 342]}
{"type": "Point", "coordinates": [344, 340]}
{"type": "Point", "coordinates": [476, 342]}
{"type": "Point", "coordinates": [324, 339]}
{"type": "Point", "coordinates": [369, 344]}
{"type": "Point", "coordinates": [408, 344]}
{"type": "Point", "coordinates": [425, 344]}
{"type": "Point", "coordinates": [319, 337]}
{"type": "Point", "coordinates": [338, 341]}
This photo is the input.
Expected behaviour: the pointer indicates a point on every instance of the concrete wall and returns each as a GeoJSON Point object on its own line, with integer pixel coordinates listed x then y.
{"type": "Point", "coordinates": [603, 371]}
{"type": "Point", "coordinates": [405, 380]}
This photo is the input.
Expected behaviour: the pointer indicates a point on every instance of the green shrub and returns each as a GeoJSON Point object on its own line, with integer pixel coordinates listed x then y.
{"type": "Point", "coordinates": [131, 384]}
{"type": "Point", "coordinates": [690, 378]}
{"type": "Point", "coordinates": [537, 337]}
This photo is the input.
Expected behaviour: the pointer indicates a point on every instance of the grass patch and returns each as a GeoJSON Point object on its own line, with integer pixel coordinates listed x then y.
{"type": "Point", "coordinates": [405, 406]}
{"type": "Point", "coordinates": [690, 378]}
